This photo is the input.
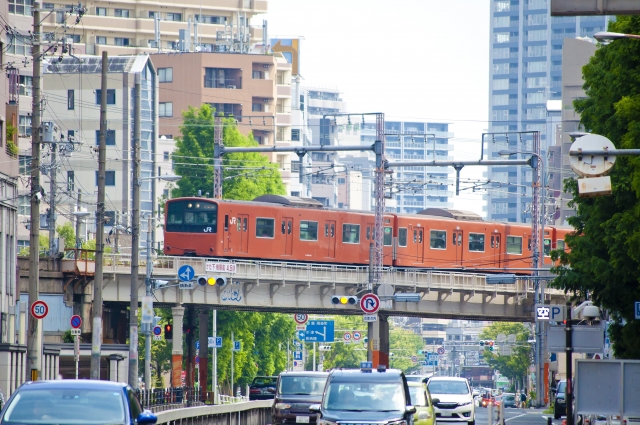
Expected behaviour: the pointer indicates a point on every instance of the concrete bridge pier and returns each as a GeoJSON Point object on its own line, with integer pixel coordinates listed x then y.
{"type": "Point", "coordinates": [203, 353]}
{"type": "Point", "coordinates": [378, 334]}
{"type": "Point", "coordinates": [176, 352]}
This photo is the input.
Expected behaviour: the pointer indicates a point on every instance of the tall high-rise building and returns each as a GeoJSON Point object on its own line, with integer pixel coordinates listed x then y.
{"type": "Point", "coordinates": [526, 72]}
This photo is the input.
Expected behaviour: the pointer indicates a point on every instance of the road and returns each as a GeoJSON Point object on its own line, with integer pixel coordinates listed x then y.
{"type": "Point", "coordinates": [518, 417]}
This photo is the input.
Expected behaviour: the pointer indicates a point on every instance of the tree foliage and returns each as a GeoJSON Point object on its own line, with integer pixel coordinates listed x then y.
{"type": "Point", "coordinates": [516, 365]}
{"type": "Point", "coordinates": [604, 261]}
{"type": "Point", "coordinates": [246, 175]}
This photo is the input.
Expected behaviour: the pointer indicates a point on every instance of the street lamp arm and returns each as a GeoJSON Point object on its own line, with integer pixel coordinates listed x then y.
{"type": "Point", "coordinates": [612, 36]}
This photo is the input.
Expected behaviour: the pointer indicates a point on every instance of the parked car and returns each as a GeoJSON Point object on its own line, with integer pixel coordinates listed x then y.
{"type": "Point", "coordinates": [455, 402]}
{"type": "Point", "coordinates": [263, 388]}
{"type": "Point", "coordinates": [75, 402]}
{"type": "Point", "coordinates": [559, 404]}
{"type": "Point", "coordinates": [295, 393]}
{"type": "Point", "coordinates": [422, 401]}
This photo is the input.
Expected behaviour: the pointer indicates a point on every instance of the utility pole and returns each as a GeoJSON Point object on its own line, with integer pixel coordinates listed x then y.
{"type": "Point", "coordinates": [78, 240]}
{"type": "Point", "coordinates": [147, 327]}
{"type": "Point", "coordinates": [569, 366]}
{"type": "Point", "coordinates": [135, 241]}
{"type": "Point", "coordinates": [33, 335]}
{"type": "Point", "coordinates": [117, 226]}
{"type": "Point", "coordinates": [232, 359]}
{"type": "Point", "coordinates": [96, 336]}
{"type": "Point", "coordinates": [214, 363]}
{"type": "Point", "coordinates": [217, 161]}
{"type": "Point", "coordinates": [52, 200]}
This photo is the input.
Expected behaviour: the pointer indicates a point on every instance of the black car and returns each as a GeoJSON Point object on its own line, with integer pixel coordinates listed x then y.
{"type": "Point", "coordinates": [263, 388]}
{"type": "Point", "coordinates": [295, 393]}
{"type": "Point", "coordinates": [365, 396]}
{"type": "Point", "coordinates": [560, 403]}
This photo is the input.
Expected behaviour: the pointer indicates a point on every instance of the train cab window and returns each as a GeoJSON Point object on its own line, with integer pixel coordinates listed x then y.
{"type": "Point", "coordinates": [402, 236]}
{"type": "Point", "coordinates": [476, 242]}
{"type": "Point", "coordinates": [388, 236]}
{"type": "Point", "coordinates": [265, 227]}
{"type": "Point", "coordinates": [438, 239]}
{"type": "Point", "coordinates": [351, 233]}
{"type": "Point", "coordinates": [547, 247]}
{"type": "Point", "coordinates": [192, 217]}
{"type": "Point", "coordinates": [368, 232]}
{"type": "Point", "coordinates": [514, 245]}
{"type": "Point", "coordinates": [308, 230]}
{"type": "Point", "coordinates": [560, 244]}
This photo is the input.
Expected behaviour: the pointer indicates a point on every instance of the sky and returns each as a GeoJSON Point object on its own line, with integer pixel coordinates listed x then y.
{"type": "Point", "coordinates": [411, 59]}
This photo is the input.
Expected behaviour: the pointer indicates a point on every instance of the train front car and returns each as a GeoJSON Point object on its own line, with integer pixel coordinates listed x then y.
{"type": "Point", "coordinates": [191, 227]}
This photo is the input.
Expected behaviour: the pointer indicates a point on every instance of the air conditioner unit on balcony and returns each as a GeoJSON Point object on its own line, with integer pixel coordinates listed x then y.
{"type": "Point", "coordinates": [231, 87]}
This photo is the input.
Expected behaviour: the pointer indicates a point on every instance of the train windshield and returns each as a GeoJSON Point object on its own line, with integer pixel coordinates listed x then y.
{"type": "Point", "coordinates": [192, 216]}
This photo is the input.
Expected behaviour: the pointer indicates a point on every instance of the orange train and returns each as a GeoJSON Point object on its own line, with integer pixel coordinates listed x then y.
{"type": "Point", "coordinates": [294, 229]}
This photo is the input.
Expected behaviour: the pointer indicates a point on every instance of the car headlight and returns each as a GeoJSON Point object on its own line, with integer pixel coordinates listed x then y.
{"type": "Point", "coordinates": [464, 403]}
{"type": "Point", "coordinates": [326, 422]}
{"type": "Point", "coordinates": [423, 415]}
{"type": "Point", "coordinates": [282, 406]}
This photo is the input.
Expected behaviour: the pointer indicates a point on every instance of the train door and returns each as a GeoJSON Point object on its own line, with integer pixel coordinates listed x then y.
{"type": "Point", "coordinates": [287, 231]}
{"type": "Point", "coordinates": [418, 240]}
{"type": "Point", "coordinates": [243, 230]}
{"type": "Point", "coordinates": [457, 240]}
{"type": "Point", "coordinates": [330, 235]}
{"type": "Point", "coordinates": [495, 248]}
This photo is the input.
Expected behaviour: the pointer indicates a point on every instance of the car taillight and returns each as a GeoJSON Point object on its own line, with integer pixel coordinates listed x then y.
{"type": "Point", "coordinates": [254, 391]}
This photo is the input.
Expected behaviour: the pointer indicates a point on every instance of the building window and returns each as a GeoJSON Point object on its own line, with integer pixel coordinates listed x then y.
{"type": "Point", "coordinates": [121, 13]}
{"type": "Point", "coordinates": [173, 17]}
{"type": "Point", "coordinates": [111, 137]}
{"type": "Point", "coordinates": [152, 15]}
{"type": "Point", "coordinates": [208, 19]}
{"type": "Point", "coordinates": [514, 245]}
{"type": "Point", "coordinates": [101, 11]}
{"type": "Point", "coordinates": [110, 178]}
{"type": "Point", "coordinates": [308, 230]}
{"type": "Point", "coordinates": [342, 180]}
{"type": "Point", "coordinates": [19, 47]}
{"type": "Point", "coordinates": [20, 7]}
{"type": "Point", "coordinates": [101, 39]}
{"type": "Point", "coordinates": [295, 135]}
{"type": "Point", "coordinates": [265, 227]}
{"type": "Point", "coordinates": [225, 78]}
{"type": "Point", "coordinates": [24, 125]}
{"type": "Point", "coordinates": [256, 107]}
{"type": "Point", "coordinates": [24, 164]}
{"type": "Point", "coordinates": [165, 109]}
{"type": "Point", "coordinates": [257, 75]}
{"type": "Point", "coordinates": [165, 75]}
{"type": "Point", "coordinates": [71, 99]}
{"type": "Point", "coordinates": [121, 41]}
{"type": "Point", "coordinates": [111, 96]}
{"type": "Point", "coordinates": [165, 155]}
{"type": "Point", "coordinates": [74, 37]}
{"type": "Point", "coordinates": [24, 205]}
{"type": "Point", "coordinates": [26, 85]}
{"type": "Point", "coordinates": [351, 233]}
{"type": "Point", "coordinates": [71, 181]}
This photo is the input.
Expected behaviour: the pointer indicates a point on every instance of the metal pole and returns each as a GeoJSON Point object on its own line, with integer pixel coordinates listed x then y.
{"type": "Point", "coordinates": [314, 357]}
{"type": "Point", "coordinates": [52, 200]}
{"type": "Point", "coordinates": [537, 232]}
{"type": "Point", "coordinates": [33, 346]}
{"type": "Point", "coordinates": [147, 326]}
{"type": "Point", "coordinates": [96, 336]}
{"type": "Point", "coordinates": [379, 195]}
{"type": "Point", "coordinates": [135, 241]}
{"type": "Point", "coordinates": [288, 356]}
{"type": "Point", "coordinates": [117, 225]}
{"type": "Point", "coordinates": [76, 353]}
{"type": "Point", "coordinates": [217, 161]}
{"type": "Point", "coordinates": [214, 363]}
{"type": "Point", "coordinates": [568, 401]}
{"type": "Point", "coordinates": [78, 239]}
{"type": "Point", "coordinates": [232, 353]}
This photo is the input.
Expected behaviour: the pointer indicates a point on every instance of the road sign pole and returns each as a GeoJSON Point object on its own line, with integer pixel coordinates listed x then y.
{"type": "Point", "coordinates": [214, 363]}
{"type": "Point", "coordinates": [314, 356]}
{"type": "Point", "coordinates": [76, 353]}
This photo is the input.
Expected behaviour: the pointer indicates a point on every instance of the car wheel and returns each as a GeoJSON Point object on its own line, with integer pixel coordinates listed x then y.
{"type": "Point", "coordinates": [556, 416]}
{"type": "Point", "coordinates": [473, 422]}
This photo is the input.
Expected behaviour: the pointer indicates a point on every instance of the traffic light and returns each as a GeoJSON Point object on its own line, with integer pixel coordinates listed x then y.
{"type": "Point", "coordinates": [168, 332]}
{"type": "Point", "coordinates": [189, 329]}
{"type": "Point", "coordinates": [212, 280]}
{"type": "Point", "coordinates": [324, 347]}
{"type": "Point", "coordinates": [490, 345]}
{"type": "Point", "coordinates": [344, 299]}
{"type": "Point", "coordinates": [487, 344]}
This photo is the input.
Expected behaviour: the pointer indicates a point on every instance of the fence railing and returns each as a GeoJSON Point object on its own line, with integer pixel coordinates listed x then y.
{"type": "Point", "coordinates": [159, 399]}
{"type": "Point", "coordinates": [229, 399]}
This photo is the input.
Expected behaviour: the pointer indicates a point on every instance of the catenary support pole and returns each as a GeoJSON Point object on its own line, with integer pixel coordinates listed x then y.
{"type": "Point", "coordinates": [78, 209]}
{"type": "Point", "coordinates": [214, 363]}
{"type": "Point", "coordinates": [135, 239]}
{"type": "Point", "coordinates": [33, 346]}
{"type": "Point", "coordinates": [217, 161]}
{"type": "Point", "coordinates": [232, 364]}
{"type": "Point", "coordinates": [147, 326]}
{"type": "Point", "coordinates": [96, 336]}
{"type": "Point", "coordinates": [203, 352]}
{"type": "Point", "coordinates": [52, 200]}
{"type": "Point", "coordinates": [568, 400]}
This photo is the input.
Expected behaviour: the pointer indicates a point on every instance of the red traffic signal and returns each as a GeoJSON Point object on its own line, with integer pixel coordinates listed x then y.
{"type": "Point", "coordinates": [491, 343]}
{"type": "Point", "coordinates": [168, 332]}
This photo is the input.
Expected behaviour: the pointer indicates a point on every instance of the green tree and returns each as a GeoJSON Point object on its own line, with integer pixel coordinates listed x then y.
{"type": "Point", "coordinates": [604, 259]}
{"type": "Point", "coordinates": [246, 175]}
{"type": "Point", "coordinates": [160, 351]}
{"type": "Point", "coordinates": [67, 232]}
{"type": "Point", "coordinates": [404, 344]}
{"type": "Point", "coordinates": [516, 365]}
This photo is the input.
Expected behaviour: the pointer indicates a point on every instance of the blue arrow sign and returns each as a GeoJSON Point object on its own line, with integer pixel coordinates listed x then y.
{"type": "Point", "coordinates": [218, 342]}
{"type": "Point", "coordinates": [186, 273]}
{"type": "Point", "coordinates": [236, 345]}
{"type": "Point", "coordinates": [197, 345]}
{"type": "Point", "coordinates": [300, 335]}
{"type": "Point", "coordinates": [297, 355]}
{"type": "Point", "coordinates": [637, 310]}
{"type": "Point", "coordinates": [320, 331]}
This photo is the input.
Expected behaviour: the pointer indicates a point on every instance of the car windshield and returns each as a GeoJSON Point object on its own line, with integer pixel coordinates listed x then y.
{"type": "Point", "coordinates": [264, 382]}
{"type": "Point", "coordinates": [417, 396]}
{"type": "Point", "coordinates": [357, 397]}
{"type": "Point", "coordinates": [448, 387]}
{"type": "Point", "coordinates": [66, 406]}
{"type": "Point", "coordinates": [561, 387]}
{"type": "Point", "coordinates": [302, 385]}
{"type": "Point", "coordinates": [509, 397]}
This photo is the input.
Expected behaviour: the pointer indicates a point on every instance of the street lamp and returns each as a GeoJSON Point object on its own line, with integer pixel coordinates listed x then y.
{"type": "Point", "coordinates": [607, 37]}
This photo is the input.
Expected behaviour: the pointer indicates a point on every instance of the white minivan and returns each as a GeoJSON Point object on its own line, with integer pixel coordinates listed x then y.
{"type": "Point", "coordinates": [455, 399]}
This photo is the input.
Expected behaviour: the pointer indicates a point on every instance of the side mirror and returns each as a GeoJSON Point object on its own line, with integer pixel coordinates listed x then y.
{"type": "Point", "coordinates": [147, 417]}
{"type": "Point", "coordinates": [435, 400]}
{"type": "Point", "coordinates": [410, 410]}
{"type": "Point", "coordinates": [314, 408]}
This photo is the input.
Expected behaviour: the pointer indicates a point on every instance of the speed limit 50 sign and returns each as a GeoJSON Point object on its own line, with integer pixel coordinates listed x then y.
{"type": "Point", "coordinates": [39, 309]}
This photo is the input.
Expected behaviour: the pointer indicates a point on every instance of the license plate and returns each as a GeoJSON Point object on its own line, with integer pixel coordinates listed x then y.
{"type": "Point", "coordinates": [302, 419]}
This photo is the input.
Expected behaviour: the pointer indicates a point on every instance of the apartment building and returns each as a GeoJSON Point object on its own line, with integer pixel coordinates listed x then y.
{"type": "Point", "coordinates": [526, 60]}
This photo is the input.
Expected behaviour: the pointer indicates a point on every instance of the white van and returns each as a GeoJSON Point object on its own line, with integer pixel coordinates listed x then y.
{"type": "Point", "coordinates": [455, 399]}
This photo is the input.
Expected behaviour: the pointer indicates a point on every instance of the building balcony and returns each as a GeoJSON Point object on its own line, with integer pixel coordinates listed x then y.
{"type": "Point", "coordinates": [283, 91]}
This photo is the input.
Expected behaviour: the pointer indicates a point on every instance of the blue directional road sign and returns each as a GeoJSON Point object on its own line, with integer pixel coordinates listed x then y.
{"type": "Point", "coordinates": [637, 310]}
{"type": "Point", "coordinates": [300, 335]}
{"type": "Point", "coordinates": [236, 345]}
{"type": "Point", "coordinates": [297, 355]}
{"type": "Point", "coordinates": [218, 342]}
{"type": "Point", "coordinates": [197, 345]}
{"type": "Point", "coordinates": [186, 273]}
{"type": "Point", "coordinates": [320, 331]}
{"type": "Point", "coordinates": [297, 344]}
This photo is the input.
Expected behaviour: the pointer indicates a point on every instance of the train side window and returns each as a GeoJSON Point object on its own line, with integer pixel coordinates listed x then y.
{"type": "Point", "coordinates": [402, 236]}
{"type": "Point", "coordinates": [239, 224]}
{"type": "Point", "coordinates": [283, 226]}
{"type": "Point", "coordinates": [529, 243]}
{"type": "Point", "coordinates": [368, 232]}
{"type": "Point", "coordinates": [326, 230]}
{"type": "Point", "coordinates": [265, 227]}
{"type": "Point", "coordinates": [308, 230]}
{"type": "Point", "coordinates": [438, 239]}
{"type": "Point", "coordinates": [493, 241]}
{"type": "Point", "coordinates": [388, 236]}
{"type": "Point", "coordinates": [244, 224]}
{"type": "Point", "coordinates": [476, 242]}
{"type": "Point", "coordinates": [333, 230]}
{"type": "Point", "coordinates": [351, 233]}
{"type": "Point", "coordinates": [289, 227]}
{"type": "Point", "coordinates": [560, 244]}
{"type": "Point", "coordinates": [415, 236]}
{"type": "Point", "coordinates": [420, 236]}
{"type": "Point", "coordinates": [453, 239]}
{"type": "Point", "coordinates": [226, 222]}
{"type": "Point", "coordinates": [514, 245]}
{"type": "Point", "coordinates": [460, 239]}
{"type": "Point", "coordinates": [547, 247]}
